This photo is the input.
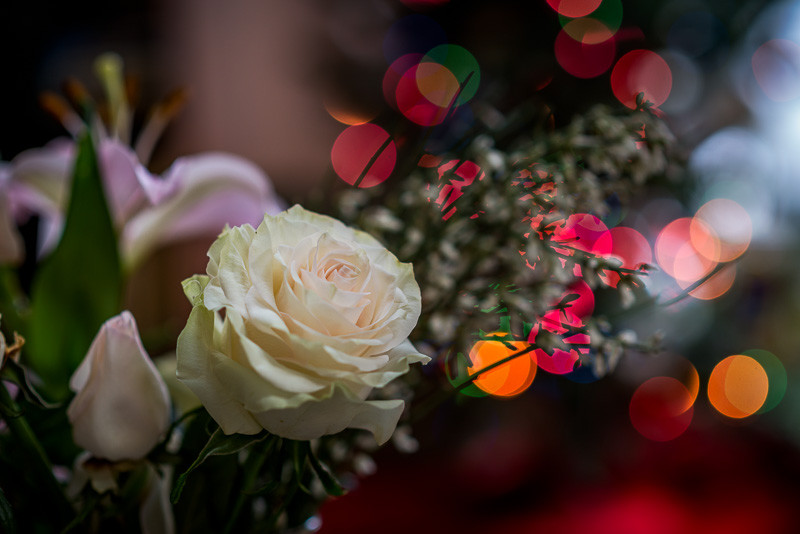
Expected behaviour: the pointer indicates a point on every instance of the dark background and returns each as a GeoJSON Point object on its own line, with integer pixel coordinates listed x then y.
{"type": "Point", "coordinates": [563, 457]}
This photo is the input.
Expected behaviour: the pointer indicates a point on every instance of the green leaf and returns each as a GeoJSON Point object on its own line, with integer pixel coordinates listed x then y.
{"type": "Point", "coordinates": [8, 408]}
{"type": "Point", "coordinates": [329, 482]}
{"type": "Point", "coordinates": [79, 286]}
{"type": "Point", "coordinates": [462, 361]}
{"type": "Point", "coordinates": [6, 515]}
{"type": "Point", "coordinates": [300, 450]}
{"type": "Point", "coordinates": [18, 375]}
{"type": "Point", "coordinates": [219, 444]}
{"type": "Point", "coordinates": [13, 303]}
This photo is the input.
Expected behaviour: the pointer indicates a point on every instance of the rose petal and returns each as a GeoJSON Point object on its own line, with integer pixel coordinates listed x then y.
{"type": "Point", "coordinates": [333, 414]}
{"type": "Point", "coordinates": [246, 352]}
{"type": "Point", "coordinates": [399, 359]}
{"type": "Point", "coordinates": [265, 277]}
{"type": "Point", "coordinates": [197, 361]}
{"type": "Point", "coordinates": [234, 276]}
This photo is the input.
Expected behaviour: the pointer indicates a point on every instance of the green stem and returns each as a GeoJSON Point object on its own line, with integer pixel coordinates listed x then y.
{"type": "Point", "coordinates": [38, 458]}
{"type": "Point", "coordinates": [255, 460]}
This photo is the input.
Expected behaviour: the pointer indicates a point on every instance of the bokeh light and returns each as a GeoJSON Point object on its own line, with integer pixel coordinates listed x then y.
{"type": "Point", "coordinates": [581, 232]}
{"type": "Point", "coordinates": [676, 253]}
{"type": "Point", "coordinates": [348, 114]}
{"type": "Point", "coordinates": [364, 155]}
{"type": "Point", "coordinates": [578, 298]}
{"type": "Point", "coordinates": [394, 73]}
{"type": "Point", "coordinates": [559, 323]}
{"type": "Point", "coordinates": [425, 93]}
{"type": "Point", "coordinates": [585, 232]}
{"type": "Point", "coordinates": [437, 84]}
{"type": "Point", "coordinates": [584, 60]}
{"type": "Point", "coordinates": [631, 248]}
{"type": "Point", "coordinates": [608, 13]}
{"type": "Point", "coordinates": [462, 64]}
{"type": "Point", "coordinates": [776, 374]}
{"type": "Point", "coordinates": [661, 409]}
{"type": "Point", "coordinates": [558, 361]}
{"type": "Point", "coordinates": [506, 380]}
{"type": "Point", "coordinates": [730, 224]}
{"type": "Point", "coordinates": [574, 8]}
{"type": "Point", "coordinates": [776, 67]}
{"type": "Point", "coordinates": [641, 71]}
{"type": "Point", "coordinates": [690, 378]}
{"type": "Point", "coordinates": [714, 287]}
{"type": "Point", "coordinates": [738, 386]}
{"type": "Point", "coordinates": [588, 31]}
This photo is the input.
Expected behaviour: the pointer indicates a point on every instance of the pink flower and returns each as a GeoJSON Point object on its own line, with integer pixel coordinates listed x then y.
{"type": "Point", "coordinates": [197, 196]}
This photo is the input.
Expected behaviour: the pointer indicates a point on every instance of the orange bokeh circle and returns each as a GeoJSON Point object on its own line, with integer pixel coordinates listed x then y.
{"type": "Point", "coordinates": [738, 386]}
{"type": "Point", "coordinates": [508, 379]}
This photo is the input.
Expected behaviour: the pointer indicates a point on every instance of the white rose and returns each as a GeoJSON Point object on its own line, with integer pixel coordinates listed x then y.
{"type": "Point", "coordinates": [294, 325]}
{"type": "Point", "coordinates": [121, 408]}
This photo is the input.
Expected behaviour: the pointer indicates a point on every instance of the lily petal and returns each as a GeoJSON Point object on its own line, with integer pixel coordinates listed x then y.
{"type": "Point", "coordinates": [211, 190]}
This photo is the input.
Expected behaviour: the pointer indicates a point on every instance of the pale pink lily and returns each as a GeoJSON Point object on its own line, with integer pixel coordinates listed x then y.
{"type": "Point", "coordinates": [197, 196]}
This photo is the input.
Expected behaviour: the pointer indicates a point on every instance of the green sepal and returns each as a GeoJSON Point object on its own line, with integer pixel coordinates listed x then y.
{"type": "Point", "coordinates": [329, 482]}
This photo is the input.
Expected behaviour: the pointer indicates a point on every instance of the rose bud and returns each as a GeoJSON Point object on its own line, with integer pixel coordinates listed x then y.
{"type": "Point", "coordinates": [121, 407]}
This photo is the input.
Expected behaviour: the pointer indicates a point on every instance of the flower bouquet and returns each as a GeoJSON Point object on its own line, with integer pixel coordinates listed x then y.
{"type": "Point", "coordinates": [312, 338]}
